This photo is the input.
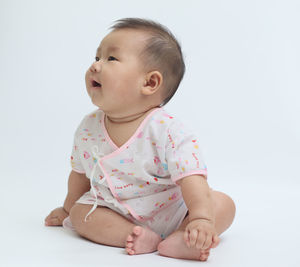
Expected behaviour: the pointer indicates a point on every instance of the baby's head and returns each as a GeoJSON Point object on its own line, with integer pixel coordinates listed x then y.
{"type": "Point", "coordinates": [138, 65]}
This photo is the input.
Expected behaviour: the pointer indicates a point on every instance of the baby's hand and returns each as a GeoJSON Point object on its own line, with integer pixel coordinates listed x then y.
{"type": "Point", "coordinates": [56, 217]}
{"type": "Point", "coordinates": [201, 234]}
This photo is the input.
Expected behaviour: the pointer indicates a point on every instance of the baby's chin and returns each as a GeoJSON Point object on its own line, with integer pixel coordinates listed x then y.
{"type": "Point", "coordinates": [94, 101]}
{"type": "Point", "coordinates": [97, 105]}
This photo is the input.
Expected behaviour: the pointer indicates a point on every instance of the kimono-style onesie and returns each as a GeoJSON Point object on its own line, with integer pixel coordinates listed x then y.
{"type": "Point", "coordinates": [138, 179]}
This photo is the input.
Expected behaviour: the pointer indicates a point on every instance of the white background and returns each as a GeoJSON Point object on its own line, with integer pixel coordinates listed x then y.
{"type": "Point", "coordinates": [240, 95]}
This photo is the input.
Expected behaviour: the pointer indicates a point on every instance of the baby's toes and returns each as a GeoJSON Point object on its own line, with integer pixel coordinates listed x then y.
{"type": "Point", "coordinates": [204, 255]}
{"type": "Point", "coordinates": [129, 238]}
{"type": "Point", "coordinates": [129, 245]}
{"type": "Point", "coordinates": [130, 251]}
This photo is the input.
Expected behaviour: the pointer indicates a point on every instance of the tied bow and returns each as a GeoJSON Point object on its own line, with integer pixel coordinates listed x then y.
{"type": "Point", "coordinates": [97, 156]}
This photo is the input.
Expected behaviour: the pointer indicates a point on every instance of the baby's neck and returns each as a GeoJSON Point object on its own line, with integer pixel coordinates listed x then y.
{"type": "Point", "coordinates": [121, 129]}
{"type": "Point", "coordinates": [127, 119]}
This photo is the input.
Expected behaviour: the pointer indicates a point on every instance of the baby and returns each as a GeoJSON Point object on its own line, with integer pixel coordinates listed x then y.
{"type": "Point", "coordinates": [138, 179]}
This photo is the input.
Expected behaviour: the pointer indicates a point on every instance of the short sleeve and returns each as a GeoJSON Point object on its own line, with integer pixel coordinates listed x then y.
{"type": "Point", "coordinates": [75, 158]}
{"type": "Point", "coordinates": [76, 163]}
{"type": "Point", "coordinates": [183, 154]}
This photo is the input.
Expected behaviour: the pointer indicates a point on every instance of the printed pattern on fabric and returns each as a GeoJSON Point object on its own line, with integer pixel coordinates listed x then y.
{"type": "Point", "coordinates": [139, 178]}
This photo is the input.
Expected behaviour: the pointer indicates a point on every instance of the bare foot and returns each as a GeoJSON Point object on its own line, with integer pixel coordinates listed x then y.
{"type": "Point", "coordinates": [175, 247]}
{"type": "Point", "coordinates": [142, 240]}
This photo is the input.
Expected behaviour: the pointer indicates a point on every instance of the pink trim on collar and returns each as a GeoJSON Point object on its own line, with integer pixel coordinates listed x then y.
{"type": "Point", "coordinates": [131, 139]}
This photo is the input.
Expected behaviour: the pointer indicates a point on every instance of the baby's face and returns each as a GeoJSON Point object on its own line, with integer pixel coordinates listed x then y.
{"type": "Point", "coordinates": [115, 79]}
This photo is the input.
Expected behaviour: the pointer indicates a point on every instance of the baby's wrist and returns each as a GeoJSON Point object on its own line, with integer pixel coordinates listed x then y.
{"type": "Point", "coordinates": [65, 210]}
{"type": "Point", "coordinates": [200, 214]}
{"type": "Point", "coordinates": [209, 220]}
{"type": "Point", "coordinates": [193, 216]}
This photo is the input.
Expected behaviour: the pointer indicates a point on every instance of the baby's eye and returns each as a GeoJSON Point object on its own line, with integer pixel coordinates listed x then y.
{"type": "Point", "coordinates": [97, 58]}
{"type": "Point", "coordinates": [111, 58]}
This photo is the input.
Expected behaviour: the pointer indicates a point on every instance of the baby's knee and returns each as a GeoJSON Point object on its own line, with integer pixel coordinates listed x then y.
{"type": "Point", "coordinates": [230, 204]}
{"type": "Point", "coordinates": [224, 202]}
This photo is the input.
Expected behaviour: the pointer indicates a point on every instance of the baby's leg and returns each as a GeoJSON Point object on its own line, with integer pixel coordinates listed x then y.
{"type": "Point", "coordinates": [105, 226]}
{"type": "Point", "coordinates": [174, 245]}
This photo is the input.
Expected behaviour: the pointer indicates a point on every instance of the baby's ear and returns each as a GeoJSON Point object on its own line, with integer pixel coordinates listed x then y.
{"type": "Point", "coordinates": [152, 83]}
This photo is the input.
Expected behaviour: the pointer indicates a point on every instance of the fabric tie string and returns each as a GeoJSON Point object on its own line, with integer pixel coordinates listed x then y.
{"type": "Point", "coordinates": [95, 152]}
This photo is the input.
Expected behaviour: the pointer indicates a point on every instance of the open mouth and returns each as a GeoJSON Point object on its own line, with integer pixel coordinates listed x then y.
{"type": "Point", "coordinates": [96, 84]}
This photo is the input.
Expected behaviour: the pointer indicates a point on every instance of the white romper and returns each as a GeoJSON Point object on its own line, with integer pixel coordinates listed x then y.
{"type": "Point", "coordinates": [138, 179]}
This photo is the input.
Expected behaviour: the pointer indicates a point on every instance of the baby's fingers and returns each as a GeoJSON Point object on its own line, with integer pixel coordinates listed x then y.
{"type": "Point", "coordinates": [216, 241]}
{"type": "Point", "coordinates": [186, 237]}
{"type": "Point", "coordinates": [47, 219]}
{"type": "Point", "coordinates": [53, 221]}
{"type": "Point", "coordinates": [201, 240]}
{"type": "Point", "coordinates": [208, 242]}
{"type": "Point", "coordinates": [193, 236]}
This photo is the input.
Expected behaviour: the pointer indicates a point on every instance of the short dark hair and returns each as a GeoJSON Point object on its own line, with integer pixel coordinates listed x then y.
{"type": "Point", "coordinates": [161, 51]}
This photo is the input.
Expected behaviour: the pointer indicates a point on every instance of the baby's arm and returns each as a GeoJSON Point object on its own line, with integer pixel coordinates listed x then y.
{"type": "Point", "coordinates": [200, 232]}
{"type": "Point", "coordinates": [78, 184]}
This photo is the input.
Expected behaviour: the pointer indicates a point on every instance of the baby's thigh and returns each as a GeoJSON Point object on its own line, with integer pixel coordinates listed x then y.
{"type": "Point", "coordinates": [78, 213]}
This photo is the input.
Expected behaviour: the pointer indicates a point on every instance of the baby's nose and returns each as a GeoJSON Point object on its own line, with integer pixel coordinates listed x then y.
{"type": "Point", "coordinates": [96, 66]}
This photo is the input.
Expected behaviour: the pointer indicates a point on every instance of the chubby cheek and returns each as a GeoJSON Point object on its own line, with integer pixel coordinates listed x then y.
{"type": "Point", "coordinates": [123, 90]}
{"type": "Point", "coordinates": [129, 83]}
{"type": "Point", "coordinates": [87, 83]}
{"type": "Point", "coordinates": [87, 75]}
